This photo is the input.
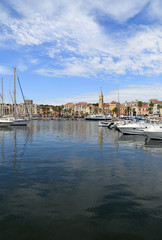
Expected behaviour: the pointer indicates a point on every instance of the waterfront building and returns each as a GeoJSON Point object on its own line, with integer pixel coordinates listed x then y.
{"type": "Point", "coordinates": [79, 107]}
{"type": "Point", "coordinates": [143, 110]}
{"type": "Point", "coordinates": [33, 109]}
{"type": "Point", "coordinates": [112, 106]}
{"type": "Point", "coordinates": [106, 108]}
{"type": "Point", "coordinates": [69, 106]}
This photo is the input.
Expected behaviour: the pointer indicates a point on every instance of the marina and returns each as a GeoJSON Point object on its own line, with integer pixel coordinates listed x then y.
{"type": "Point", "coordinates": [81, 120]}
{"type": "Point", "coordinates": [75, 180]}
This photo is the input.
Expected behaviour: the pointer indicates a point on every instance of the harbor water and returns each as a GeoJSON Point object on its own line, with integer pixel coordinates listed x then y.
{"type": "Point", "coordinates": [73, 180]}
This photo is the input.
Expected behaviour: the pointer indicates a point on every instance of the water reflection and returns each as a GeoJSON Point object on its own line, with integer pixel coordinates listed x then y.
{"type": "Point", "coordinates": [142, 142]}
{"type": "Point", "coordinates": [74, 180]}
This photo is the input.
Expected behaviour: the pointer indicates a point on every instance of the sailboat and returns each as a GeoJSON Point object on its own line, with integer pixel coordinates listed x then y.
{"type": "Point", "coordinates": [4, 121]}
{"type": "Point", "coordinates": [18, 121]}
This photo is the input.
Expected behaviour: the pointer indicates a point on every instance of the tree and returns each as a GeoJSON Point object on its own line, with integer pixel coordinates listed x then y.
{"type": "Point", "coordinates": [159, 106]}
{"type": "Point", "coordinates": [59, 110]}
{"type": "Point", "coordinates": [151, 105]}
{"type": "Point", "coordinates": [140, 104]}
{"type": "Point", "coordinates": [95, 111]}
{"type": "Point", "coordinates": [128, 110]}
{"type": "Point", "coordinates": [81, 113]}
{"type": "Point", "coordinates": [134, 112]}
{"type": "Point", "coordinates": [115, 110]}
{"type": "Point", "coordinates": [150, 110]}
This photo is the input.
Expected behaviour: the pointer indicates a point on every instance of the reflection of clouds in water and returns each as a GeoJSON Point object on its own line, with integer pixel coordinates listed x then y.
{"type": "Point", "coordinates": [60, 172]}
{"type": "Point", "coordinates": [120, 202]}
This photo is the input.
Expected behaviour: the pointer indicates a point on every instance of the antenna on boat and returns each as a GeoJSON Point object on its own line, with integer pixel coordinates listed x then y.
{"type": "Point", "coordinates": [14, 93]}
{"type": "Point", "coordinates": [2, 96]}
{"type": "Point", "coordinates": [118, 101]}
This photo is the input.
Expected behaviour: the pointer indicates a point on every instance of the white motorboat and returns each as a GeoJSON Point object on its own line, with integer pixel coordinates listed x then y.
{"type": "Point", "coordinates": [132, 128]}
{"type": "Point", "coordinates": [96, 117]}
{"type": "Point", "coordinates": [5, 122]}
{"type": "Point", "coordinates": [104, 124]}
{"type": "Point", "coordinates": [154, 132]}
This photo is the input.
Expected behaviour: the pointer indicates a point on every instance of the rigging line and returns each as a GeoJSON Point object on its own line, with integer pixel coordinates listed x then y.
{"type": "Point", "coordinates": [23, 95]}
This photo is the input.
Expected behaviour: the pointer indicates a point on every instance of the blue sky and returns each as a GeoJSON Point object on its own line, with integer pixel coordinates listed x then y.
{"type": "Point", "coordinates": [66, 50]}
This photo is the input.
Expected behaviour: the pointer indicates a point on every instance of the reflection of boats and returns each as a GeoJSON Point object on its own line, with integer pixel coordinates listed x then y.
{"type": "Point", "coordinates": [98, 117]}
{"type": "Point", "coordinates": [154, 132]}
{"type": "Point", "coordinates": [140, 139]}
{"type": "Point", "coordinates": [104, 124]}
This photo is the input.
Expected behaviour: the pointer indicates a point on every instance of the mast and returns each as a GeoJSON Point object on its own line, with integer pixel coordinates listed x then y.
{"type": "Point", "coordinates": [23, 96]}
{"type": "Point", "coordinates": [14, 93]}
{"type": "Point", "coordinates": [12, 103]}
{"type": "Point", "coordinates": [2, 97]}
{"type": "Point", "coordinates": [118, 102]}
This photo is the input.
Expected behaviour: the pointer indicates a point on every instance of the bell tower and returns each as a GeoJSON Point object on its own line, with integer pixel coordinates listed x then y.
{"type": "Point", "coordinates": [101, 100]}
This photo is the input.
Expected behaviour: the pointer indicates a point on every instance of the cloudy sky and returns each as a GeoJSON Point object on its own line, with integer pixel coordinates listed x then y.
{"type": "Point", "coordinates": [66, 50]}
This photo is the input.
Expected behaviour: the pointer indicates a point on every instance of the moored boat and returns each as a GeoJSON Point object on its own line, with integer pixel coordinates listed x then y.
{"type": "Point", "coordinates": [5, 122]}
{"type": "Point", "coordinates": [104, 123]}
{"type": "Point", "coordinates": [97, 117]}
{"type": "Point", "coordinates": [132, 128]}
{"type": "Point", "coordinates": [154, 132]}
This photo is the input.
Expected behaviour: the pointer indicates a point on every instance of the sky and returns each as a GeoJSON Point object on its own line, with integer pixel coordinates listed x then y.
{"type": "Point", "coordinates": [67, 50]}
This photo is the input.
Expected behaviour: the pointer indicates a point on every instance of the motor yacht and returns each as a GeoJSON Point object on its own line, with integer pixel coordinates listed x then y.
{"type": "Point", "coordinates": [95, 117]}
{"type": "Point", "coordinates": [104, 123]}
{"type": "Point", "coordinates": [133, 128]}
{"type": "Point", "coordinates": [154, 132]}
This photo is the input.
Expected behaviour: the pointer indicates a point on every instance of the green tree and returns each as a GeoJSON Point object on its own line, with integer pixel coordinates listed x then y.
{"type": "Point", "coordinates": [159, 106]}
{"type": "Point", "coordinates": [128, 110]}
{"type": "Point", "coordinates": [134, 112]}
{"type": "Point", "coordinates": [140, 104]}
{"type": "Point", "coordinates": [115, 110]}
{"type": "Point", "coordinates": [151, 105]}
{"type": "Point", "coordinates": [150, 110]}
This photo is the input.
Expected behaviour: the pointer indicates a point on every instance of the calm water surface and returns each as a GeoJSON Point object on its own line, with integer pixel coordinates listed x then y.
{"type": "Point", "coordinates": [73, 180]}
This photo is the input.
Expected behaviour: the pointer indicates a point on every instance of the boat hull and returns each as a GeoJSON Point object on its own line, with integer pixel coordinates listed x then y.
{"type": "Point", "coordinates": [104, 124]}
{"type": "Point", "coordinates": [131, 131]}
{"type": "Point", "coordinates": [20, 122]}
{"type": "Point", "coordinates": [154, 135]}
{"type": "Point", "coordinates": [7, 124]}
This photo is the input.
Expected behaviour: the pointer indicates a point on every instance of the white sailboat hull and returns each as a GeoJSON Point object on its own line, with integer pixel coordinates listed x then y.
{"type": "Point", "coordinates": [20, 122]}
{"type": "Point", "coordinates": [5, 122]}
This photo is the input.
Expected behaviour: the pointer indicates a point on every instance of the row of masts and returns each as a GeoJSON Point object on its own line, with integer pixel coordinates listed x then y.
{"type": "Point", "coordinates": [2, 96]}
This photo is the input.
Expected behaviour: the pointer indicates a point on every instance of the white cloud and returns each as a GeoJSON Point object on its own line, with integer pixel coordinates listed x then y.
{"type": "Point", "coordinates": [129, 93]}
{"type": "Point", "coordinates": [120, 10]}
{"type": "Point", "coordinates": [5, 71]}
{"type": "Point", "coordinates": [72, 30]}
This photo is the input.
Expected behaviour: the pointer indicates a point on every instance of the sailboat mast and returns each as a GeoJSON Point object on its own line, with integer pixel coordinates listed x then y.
{"type": "Point", "coordinates": [2, 96]}
{"type": "Point", "coordinates": [14, 93]}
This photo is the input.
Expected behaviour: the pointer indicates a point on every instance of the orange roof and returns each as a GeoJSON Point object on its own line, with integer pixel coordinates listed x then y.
{"type": "Point", "coordinates": [106, 104]}
{"type": "Point", "coordinates": [153, 100]}
{"type": "Point", "coordinates": [81, 103]}
{"type": "Point", "coordinates": [69, 103]}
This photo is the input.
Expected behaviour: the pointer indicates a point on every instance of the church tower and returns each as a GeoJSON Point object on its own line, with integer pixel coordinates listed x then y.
{"type": "Point", "coordinates": [101, 100]}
